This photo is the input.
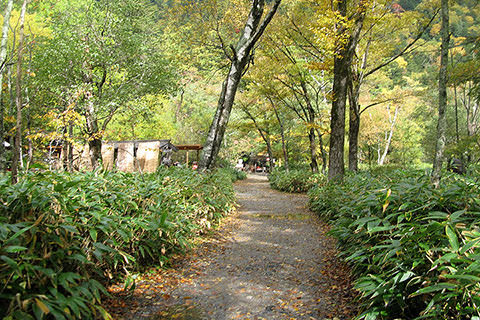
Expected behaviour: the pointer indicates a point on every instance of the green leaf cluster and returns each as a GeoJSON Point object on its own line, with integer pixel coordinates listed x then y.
{"type": "Point", "coordinates": [297, 180]}
{"type": "Point", "coordinates": [414, 249]}
{"type": "Point", "coordinates": [63, 236]}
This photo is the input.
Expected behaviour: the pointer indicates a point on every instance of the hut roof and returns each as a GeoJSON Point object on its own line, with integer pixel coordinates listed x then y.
{"type": "Point", "coordinates": [189, 146]}
{"type": "Point", "coordinates": [163, 143]}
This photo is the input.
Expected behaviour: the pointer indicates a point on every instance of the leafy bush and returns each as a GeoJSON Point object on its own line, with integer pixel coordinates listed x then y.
{"type": "Point", "coordinates": [415, 250]}
{"type": "Point", "coordinates": [294, 180]}
{"type": "Point", "coordinates": [233, 173]}
{"type": "Point", "coordinates": [63, 236]}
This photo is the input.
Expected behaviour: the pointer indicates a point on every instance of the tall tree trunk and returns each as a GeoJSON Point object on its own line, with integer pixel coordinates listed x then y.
{"type": "Point", "coordinates": [222, 115]}
{"type": "Point", "coordinates": [337, 125]}
{"type": "Point", "coordinates": [342, 62]}
{"type": "Point", "coordinates": [311, 132]}
{"type": "Point", "coordinates": [268, 143]}
{"type": "Point", "coordinates": [313, 150]}
{"type": "Point", "coordinates": [282, 135]}
{"type": "Point", "coordinates": [64, 152]}
{"type": "Point", "coordinates": [29, 114]}
{"type": "Point", "coordinates": [355, 82]}
{"type": "Point", "coordinates": [240, 59]}
{"type": "Point", "coordinates": [457, 135]}
{"type": "Point", "coordinates": [472, 117]}
{"type": "Point", "coordinates": [94, 139]}
{"type": "Point", "coordinates": [95, 146]}
{"type": "Point", "coordinates": [70, 147]}
{"type": "Point", "coordinates": [3, 60]}
{"type": "Point", "coordinates": [179, 105]}
{"type": "Point", "coordinates": [18, 133]}
{"type": "Point", "coordinates": [29, 127]}
{"type": "Point", "coordinates": [323, 153]}
{"type": "Point", "coordinates": [389, 136]}
{"type": "Point", "coordinates": [354, 130]}
{"type": "Point", "coordinates": [3, 158]}
{"type": "Point", "coordinates": [442, 97]}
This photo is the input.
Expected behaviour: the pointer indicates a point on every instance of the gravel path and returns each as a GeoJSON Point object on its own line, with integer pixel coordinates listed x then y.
{"type": "Point", "coordinates": [272, 260]}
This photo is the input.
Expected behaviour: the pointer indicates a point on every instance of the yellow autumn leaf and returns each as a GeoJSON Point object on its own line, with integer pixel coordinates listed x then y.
{"type": "Point", "coordinates": [385, 205]}
{"type": "Point", "coordinates": [42, 306]}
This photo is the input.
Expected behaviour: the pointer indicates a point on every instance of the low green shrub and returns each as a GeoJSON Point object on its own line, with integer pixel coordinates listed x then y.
{"type": "Point", "coordinates": [64, 236]}
{"type": "Point", "coordinates": [415, 250]}
{"type": "Point", "coordinates": [294, 180]}
{"type": "Point", "coordinates": [233, 173]}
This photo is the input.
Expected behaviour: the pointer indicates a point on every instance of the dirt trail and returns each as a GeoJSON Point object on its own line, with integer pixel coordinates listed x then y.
{"type": "Point", "coordinates": [272, 261]}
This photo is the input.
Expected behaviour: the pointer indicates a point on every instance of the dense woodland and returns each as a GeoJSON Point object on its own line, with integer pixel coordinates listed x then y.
{"type": "Point", "coordinates": [368, 95]}
{"type": "Point", "coordinates": [93, 71]}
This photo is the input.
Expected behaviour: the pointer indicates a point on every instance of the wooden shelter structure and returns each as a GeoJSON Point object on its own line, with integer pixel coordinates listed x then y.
{"type": "Point", "coordinates": [137, 155]}
{"type": "Point", "coordinates": [188, 148]}
{"type": "Point", "coordinates": [127, 156]}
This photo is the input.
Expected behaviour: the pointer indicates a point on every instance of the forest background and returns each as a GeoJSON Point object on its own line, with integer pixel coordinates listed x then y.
{"type": "Point", "coordinates": [100, 70]}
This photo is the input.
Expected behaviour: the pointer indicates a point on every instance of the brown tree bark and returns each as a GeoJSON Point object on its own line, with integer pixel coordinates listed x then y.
{"type": "Point", "coordinates": [70, 147]}
{"type": "Point", "coordinates": [323, 153]}
{"type": "Point", "coordinates": [240, 59]}
{"type": "Point", "coordinates": [282, 135]}
{"type": "Point", "coordinates": [457, 134]}
{"type": "Point", "coordinates": [311, 131]}
{"type": "Point", "coordinates": [313, 150]}
{"type": "Point", "coordinates": [17, 152]}
{"type": "Point", "coordinates": [442, 97]}
{"type": "Point", "coordinates": [471, 108]}
{"type": "Point", "coordinates": [94, 139]}
{"type": "Point", "coordinates": [342, 62]}
{"type": "Point", "coordinates": [354, 129]}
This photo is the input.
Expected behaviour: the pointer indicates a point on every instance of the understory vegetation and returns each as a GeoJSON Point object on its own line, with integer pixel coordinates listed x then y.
{"type": "Point", "coordinates": [414, 249]}
{"type": "Point", "coordinates": [294, 180]}
{"type": "Point", "coordinates": [64, 236]}
{"type": "Point", "coordinates": [234, 174]}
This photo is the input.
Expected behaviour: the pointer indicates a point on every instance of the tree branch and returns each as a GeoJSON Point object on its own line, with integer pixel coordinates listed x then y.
{"type": "Point", "coordinates": [263, 26]}
{"type": "Point", "coordinates": [404, 50]}
{"type": "Point", "coordinates": [377, 103]}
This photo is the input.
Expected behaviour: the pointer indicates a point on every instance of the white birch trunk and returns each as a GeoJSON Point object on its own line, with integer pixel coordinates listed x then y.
{"type": "Point", "coordinates": [17, 153]}
{"type": "Point", "coordinates": [240, 59]}
{"type": "Point", "coordinates": [442, 98]}
{"type": "Point", "coordinates": [388, 136]}
{"type": "Point", "coordinates": [3, 56]}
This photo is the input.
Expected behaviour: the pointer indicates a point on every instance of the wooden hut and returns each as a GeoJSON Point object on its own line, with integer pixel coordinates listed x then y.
{"type": "Point", "coordinates": [138, 155]}
{"type": "Point", "coordinates": [127, 156]}
{"type": "Point", "coordinates": [190, 147]}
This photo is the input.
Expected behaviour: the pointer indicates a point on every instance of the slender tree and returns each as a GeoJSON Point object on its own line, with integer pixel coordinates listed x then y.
{"type": "Point", "coordinates": [442, 97]}
{"type": "Point", "coordinates": [240, 58]}
{"type": "Point", "coordinates": [3, 60]}
{"type": "Point", "coordinates": [18, 100]}
{"type": "Point", "coordinates": [282, 134]}
{"type": "Point", "coordinates": [263, 131]}
{"type": "Point", "coordinates": [389, 134]}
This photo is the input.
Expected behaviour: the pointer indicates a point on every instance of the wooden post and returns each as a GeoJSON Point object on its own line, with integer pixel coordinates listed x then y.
{"type": "Point", "coordinates": [186, 162]}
